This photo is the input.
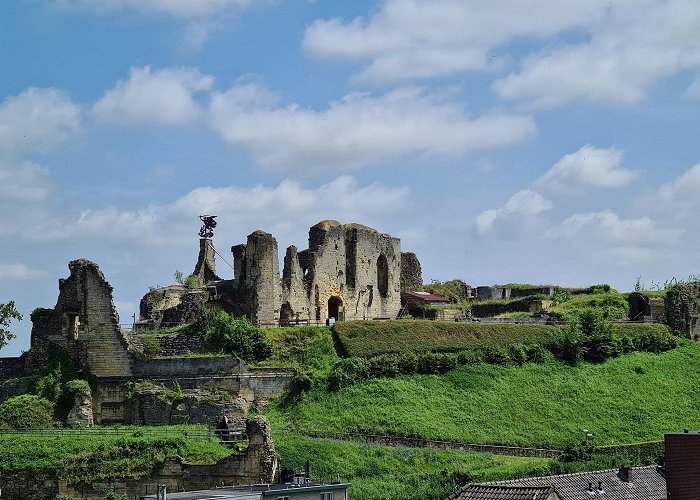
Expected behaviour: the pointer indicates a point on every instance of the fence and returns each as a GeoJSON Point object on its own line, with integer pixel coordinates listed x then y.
{"type": "Point", "coordinates": [389, 440]}
{"type": "Point", "coordinates": [226, 436]}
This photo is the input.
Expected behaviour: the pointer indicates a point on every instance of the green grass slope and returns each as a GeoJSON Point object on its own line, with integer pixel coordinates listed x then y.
{"type": "Point", "coordinates": [380, 472]}
{"type": "Point", "coordinates": [636, 397]}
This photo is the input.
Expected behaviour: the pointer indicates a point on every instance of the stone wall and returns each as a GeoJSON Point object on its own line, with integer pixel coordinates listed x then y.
{"type": "Point", "coordinates": [682, 304]}
{"type": "Point", "coordinates": [12, 367]}
{"type": "Point", "coordinates": [155, 405]}
{"type": "Point", "coordinates": [411, 275]}
{"type": "Point", "coordinates": [14, 387]}
{"type": "Point", "coordinates": [29, 485]}
{"type": "Point", "coordinates": [178, 344]}
{"type": "Point", "coordinates": [189, 367]}
{"type": "Point", "coordinates": [205, 269]}
{"type": "Point", "coordinates": [263, 278]}
{"type": "Point", "coordinates": [84, 323]}
{"type": "Point", "coordinates": [257, 464]}
{"type": "Point", "coordinates": [111, 399]}
{"type": "Point", "coordinates": [348, 272]}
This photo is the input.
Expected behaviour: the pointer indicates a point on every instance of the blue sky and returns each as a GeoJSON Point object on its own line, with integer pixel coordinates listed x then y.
{"type": "Point", "coordinates": [514, 141]}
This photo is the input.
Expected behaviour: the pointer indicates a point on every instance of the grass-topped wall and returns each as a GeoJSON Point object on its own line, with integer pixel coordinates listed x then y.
{"type": "Point", "coordinates": [373, 338]}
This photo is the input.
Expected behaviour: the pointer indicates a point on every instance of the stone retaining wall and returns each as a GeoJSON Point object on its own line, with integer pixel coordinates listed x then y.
{"type": "Point", "coordinates": [12, 367]}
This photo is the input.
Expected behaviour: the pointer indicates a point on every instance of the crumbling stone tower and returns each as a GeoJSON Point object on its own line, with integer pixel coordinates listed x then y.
{"type": "Point", "coordinates": [84, 323]}
{"type": "Point", "coordinates": [262, 277]}
{"type": "Point", "coordinates": [348, 272]}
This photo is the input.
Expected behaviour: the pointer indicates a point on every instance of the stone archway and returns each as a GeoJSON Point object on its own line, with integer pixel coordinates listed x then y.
{"type": "Point", "coordinates": [286, 314]}
{"type": "Point", "coordinates": [335, 307]}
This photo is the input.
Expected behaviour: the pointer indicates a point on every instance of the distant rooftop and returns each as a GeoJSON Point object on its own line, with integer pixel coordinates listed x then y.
{"type": "Point", "coordinates": [253, 492]}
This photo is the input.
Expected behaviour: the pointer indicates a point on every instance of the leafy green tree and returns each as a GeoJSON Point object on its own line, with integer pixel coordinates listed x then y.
{"type": "Point", "coordinates": [235, 336]}
{"type": "Point", "coordinates": [8, 312]}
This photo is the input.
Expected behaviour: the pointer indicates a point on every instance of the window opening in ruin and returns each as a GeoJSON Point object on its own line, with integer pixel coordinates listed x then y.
{"type": "Point", "coordinates": [286, 314]}
{"type": "Point", "coordinates": [334, 308]}
{"type": "Point", "coordinates": [73, 325]}
{"type": "Point", "coordinates": [382, 276]}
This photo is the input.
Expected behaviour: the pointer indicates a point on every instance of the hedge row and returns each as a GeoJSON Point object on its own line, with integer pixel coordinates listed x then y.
{"type": "Point", "coordinates": [350, 371]}
{"type": "Point", "coordinates": [373, 338]}
{"type": "Point", "coordinates": [494, 347]}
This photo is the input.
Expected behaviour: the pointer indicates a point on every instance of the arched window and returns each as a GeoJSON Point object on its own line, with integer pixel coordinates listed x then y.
{"type": "Point", "coordinates": [382, 276]}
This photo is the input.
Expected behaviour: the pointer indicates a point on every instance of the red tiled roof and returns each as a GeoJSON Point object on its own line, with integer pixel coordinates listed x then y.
{"type": "Point", "coordinates": [428, 297]}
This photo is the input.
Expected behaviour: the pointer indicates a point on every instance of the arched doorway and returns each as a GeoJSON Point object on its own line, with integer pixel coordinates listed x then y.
{"type": "Point", "coordinates": [335, 305]}
{"type": "Point", "coordinates": [286, 314]}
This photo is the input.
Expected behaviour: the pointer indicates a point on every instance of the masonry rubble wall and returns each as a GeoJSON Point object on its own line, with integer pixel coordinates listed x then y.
{"type": "Point", "coordinates": [191, 367]}
{"type": "Point", "coordinates": [257, 464]}
{"type": "Point", "coordinates": [12, 367]}
{"type": "Point", "coordinates": [84, 323]}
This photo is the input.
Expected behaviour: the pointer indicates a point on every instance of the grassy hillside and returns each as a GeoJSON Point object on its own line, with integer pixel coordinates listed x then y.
{"type": "Point", "coordinates": [380, 472]}
{"type": "Point", "coordinates": [636, 397]}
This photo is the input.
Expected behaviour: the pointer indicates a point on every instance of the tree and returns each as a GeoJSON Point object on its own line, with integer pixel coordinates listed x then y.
{"type": "Point", "coordinates": [235, 336]}
{"type": "Point", "coordinates": [8, 312]}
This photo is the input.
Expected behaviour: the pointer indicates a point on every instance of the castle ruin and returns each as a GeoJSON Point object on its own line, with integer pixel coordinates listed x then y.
{"type": "Point", "coordinates": [348, 272]}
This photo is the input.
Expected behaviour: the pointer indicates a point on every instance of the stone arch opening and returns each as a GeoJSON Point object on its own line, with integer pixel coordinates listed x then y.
{"type": "Point", "coordinates": [639, 306]}
{"type": "Point", "coordinates": [286, 314]}
{"type": "Point", "coordinates": [335, 307]}
{"type": "Point", "coordinates": [382, 276]}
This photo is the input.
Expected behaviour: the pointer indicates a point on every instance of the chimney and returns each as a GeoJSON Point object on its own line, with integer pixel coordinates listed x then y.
{"type": "Point", "coordinates": [625, 474]}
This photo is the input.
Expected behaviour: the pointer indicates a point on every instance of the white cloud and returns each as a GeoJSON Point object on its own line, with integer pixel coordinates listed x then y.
{"type": "Point", "coordinates": [277, 207]}
{"type": "Point", "coordinates": [693, 91]}
{"type": "Point", "coordinates": [608, 228]}
{"type": "Point", "coordinates": [518, 214]}
{"type": "Point", "coordinates": [638, 44]}
{"type": "Point", "coordinates": [357, 130]}
{"type": "Point", "coordinates": [410, 39]}
{"type": "Point", "coordinates": [28, 182]}
{"type": "Point", "coordinates": [20, 272]}
{"type": "Point", "coordinates": [588, 167]}
{"type": "Point", "coordinates": [177, 8]}
{"type": "Point", "coordinates": [685, 187]}
{"type": "Point", "coordinates": [37, 120]}
{"type": "Point", "coordinates": [162, 96]}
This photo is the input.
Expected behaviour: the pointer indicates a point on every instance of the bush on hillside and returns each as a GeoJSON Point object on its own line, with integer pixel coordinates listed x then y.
{"type": "Point", "coordinates": [350, 371]}
{"type": "Point", "coordinates": [26, 411]}
{"type": "Point", "coordinates": [234, 336]}
{"type": "Point", "coordinates": [590, 337]}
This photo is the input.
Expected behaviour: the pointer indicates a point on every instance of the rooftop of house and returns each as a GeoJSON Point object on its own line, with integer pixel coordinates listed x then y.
{"type": "Point", "coordinates": [254, 492]}
{"type": "Point", "coordinates": [627, 483]}
{"type": "Point", "coordinates": [502, 492]}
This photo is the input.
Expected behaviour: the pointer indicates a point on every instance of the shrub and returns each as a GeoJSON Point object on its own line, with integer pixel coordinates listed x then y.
{"type": "Point", "coordinates": [347, 372]}
{"type": "Point", "coordinates": [50, 386]}
{"type": "Point", "coordinates": [237, 337]}
{"type": "Point", "coordinates": [26, 411]}
{"type": "Point", "coordinates": [151, 344]}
